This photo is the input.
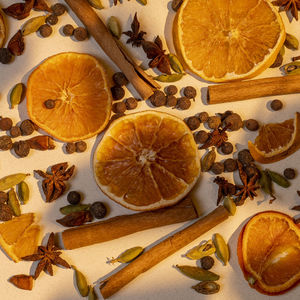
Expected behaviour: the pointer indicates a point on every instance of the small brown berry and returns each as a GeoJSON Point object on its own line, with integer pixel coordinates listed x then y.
{"type": "Point", "coordinates": [203, 116]}
{"type": "Point", "coordinates": [5, 124]}
{"type": "Point", "coordinates": [52, 19]}
{"type": "Point", "coordinates": [21, 148]}
{"type": "Point", "coordinates": [171, 101]}
{"type": "Point", "coordinates": [117, 92]}
{"type": "Point", "coordinates": [49, 104]}
{"type": "Point", "coordinates": [119, 107]}
{"type": "Point", "coordinates": [70, 148]}
{"type": "Point", "coordinates": [58, 9]}
{"type": "Point", "coordinates": [5, 56]}
{"type": "Point", "coordinates": [120, 79]}
{"type": "Point", "coordinates": [201, 137]}
{"type": "Point", "coordinates": [245, 157]}
{"type": "Point", "coordinates": [68, 30]}
{"type": "Point", "coordinates": [193, 123]}
{"type": "Point", "coordinates": [227, 148]}
{"type": "Point", "coordinates": [80, 34]}
{"type": "Point", "coordinates": [234, 121]}
{"type": "Point", "coordinates": [171, 90]}
{"type": "Point", "coordinates": [80, 146]}
{"type": "Point", "coordinates": [5, 143]}
{"type": "Point", "coordinates": [158, 99]}
{"type": "Point", "coordinates": [214, 122]}
{"type": "Point", "coordinates": [6, 213]}
{"type": "Point", "coordinates": [251, 124]}
{"type": "Point", "coordinates": [276, 104]}
{"type": "Point", "coordinates": [184, 103]}
{"type": "Point", "coordinates": [217, 168]}
{"type": "Point", "coordinates": [289, 173]}
{"type": "Point", "coordinates": [224, 115]}
{"type": "Point", "coordinates": [131, 103]}
{"type": "Point", "coordinates": [190, 92]}
{"type": "Point", "coordinates": [15, 131]}
{"type": "Point", "coordinates": [230, 165]}
{"type": "Point", "coordinates": [45, 30]}
{"type": "Point", "coordinates": [251, 170]}
{"type": "Point", "coordinates": [3, 197]}
{"type": "Point", "coordinates": [207, 262]}
{"type": "Point", "coordinates": [27, 127]}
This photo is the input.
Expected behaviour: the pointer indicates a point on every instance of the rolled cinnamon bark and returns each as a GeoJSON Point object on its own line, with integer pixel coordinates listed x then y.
{"type": "Point", "coordinates": [243, 90]}
{"type": "Point", "coordinates": [153, 256]}
{"type": "Point", "coordinates": [119, 226]}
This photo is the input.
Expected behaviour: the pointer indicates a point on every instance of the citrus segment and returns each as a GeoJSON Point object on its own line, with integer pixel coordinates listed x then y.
{"type": "Point", "coordinates": [269, 252]}
{"type": "Point", "coordinates": [147, 160]}
{"type": "Point", "coordinates": [227, 40]}
{"type": "Point", "coordinates": [77, 83]}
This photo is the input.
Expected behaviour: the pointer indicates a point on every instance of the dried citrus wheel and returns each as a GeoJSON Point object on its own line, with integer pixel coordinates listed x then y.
{"type": "Point", "coordinates": [19, 237]}
{"type": "Point", "coordinates": [147, 160]}
{"type": "Point", "coordinates": [269, 252]}
{"type": "Point", "coordinates": [77, 83]}
{"type": "Point", "coordinates": [276, 141]}
{"type": "Point", "coordinates": [2, 29]}
{"type": "Point", "coordinates": [229, 39]}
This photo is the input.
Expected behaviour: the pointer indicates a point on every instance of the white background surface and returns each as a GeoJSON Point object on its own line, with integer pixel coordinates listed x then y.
{"type": "Point", "coordinates": [162, 281]}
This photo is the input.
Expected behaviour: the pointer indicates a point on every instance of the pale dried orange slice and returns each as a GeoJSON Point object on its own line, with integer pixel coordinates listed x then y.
{"type": "Point", "coordinates": [276, 141]}
{"type": "Point", "coordinates": [147, 160]}
{"type": "Point", "coordinates": [2, 29]}
{"type": "Point", "coordinates": [77, 82]}
{"type": "Point", "coordinates": [19, 237]}
{"type": "Point", "coordinates": [223, 40]}
{"type": "Point", "coordinates": [269, 252]}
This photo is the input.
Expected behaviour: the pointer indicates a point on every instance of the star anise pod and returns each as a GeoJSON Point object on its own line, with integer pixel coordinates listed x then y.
{"type": "Point", "coordinates": [53, 185]}
{"type": "Point", "coordinates": [157, 55]}
{"type": "Point", "coordinates": [249, 185]}
{"type": "Point", "coordinates": [225, 188]}
{"type": "Point", "coordinates": [293, 5]}
{"type": "Point", "coordinates": [47, 256]}
{"type": "Point", "coordinates": [135, 35]}
{"type": "Point", "coordinates": [216, 138]}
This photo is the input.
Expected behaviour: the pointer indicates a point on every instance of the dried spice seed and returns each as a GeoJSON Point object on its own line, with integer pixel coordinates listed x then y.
{"type": "Point", "coordinates": [198, 273]}
{"type": "Point", "coordinates": [245, 157]}
{"type": "Point", "coordinates": [68, 30]}
{"type": "Point", "coordinates": [3, 197]}
{"type": "Point", "coordinates": [13, 202]}
{"type": "Point", "coordinates": [5, 124]}
{"type": "Point", "coordinates": [289, 173]}
{"type": "Point", "coordinates": [41, 142]}
{"type": "Point", "coordinates": [216, 138]}
{"type": "Point", "coordinates": [41, 5]}
{"type": "Point", "coordinates": [176, 4]}
{"type": "Point", "coordinates": [52, 19]}
{"type": "Point", "coordinates": [297, 208]}
{"type": "Point", "coordinates": [291, 42]}
{"type": "Point", "coordinates": [227, 148]}
{"type": "Point", "coordinates": [19, 11]}
{"type": "Point", "coordinates": [131, 103]}
{"type": "Point", "coordinates": [120, 79]}
{"type": "Point", "coordinates": [128, 255]}
{"type": "Point", "coordinates": [96, 4]}
{"type": "Point", "coordinates": [193, 123]}
{"type": "Point", "coordinates": [183, 103]}
{"type": "Point", "coordinates": [74, 197]}
{"type": "Point", "coordinates": [168, 77]}
{"type": "Point", "coordinates": [278, 179]}
{"type": "Point", "coordinates": [45, 30]}
{"type": "Point", "coordinates": [207, 262]}
{"type": "Point", "coordinates": [70, 148]}
{"type": "Point", "coordinates": [230, 205]}
{"type": "Point", "coordinates": [278, 61]}
{"type": "Point", "coordinates": [217, 168]}
{"type": "Point", "coordinates": [276, 105]}
{"type": "Point", "coordinates": [81, 282]}
{"type": "Point", "coordinates": [15, 131]}
{"type": "Point", "coordinates": [117, 92]}
{"type": "Point", "coordinates": [58, 9]}
{"type": "Point", "coordinates": [49, 104]}
{"type": "Point", "coordinates": [251, 124]}
{"type": "Point", "coordinates": [10, 181]}
{"type": "Point", "coordinates": [171, 90]}
{"type": "Point", "coordinates": [207, 287]}
{"type": "Point", "coordinates": [98, 210]}
{"type": "Point", "coordinates": [203, 117]}
{"type": "Point", "coordinates": [265, 183]}
{"type": "Point", "coordinates": [225, 188]}
{"type": "Point", "coordinates": [80, 146]}
{"type": "Point", "coordinates": [288, 5]}
{"type": "Point", "coordinates": [201, 137]}
{"type": "Point", "coordinates": [204, 249]}
{"type": "Point", "coordinates": [222, 249]}
{"type": "Point", "coordinates": [136, 37]}
{"type": "Point", "coordinates": [208, 160]}
{"type": "Point", "coordinates": [114, 27]}
{"type": "Point", "coordinates": [175, 64]}
{"type": "Point", "coordinates": [76, 219]}
{"type": "Point", "coordinates": [16, 44]}
{"type": "Point", "coordinates": [171, 101]}
{"type": "Point", "coordinates": [27, 127]}
{"type": "Point", "coordinates": [5, 56]}
{"type": "Point", "coordinates": [119, 107]}
{"type": "Point", "coordinates": [68, 209]}
{"type": "Point", "coordinates": [80, 34]}
{"type": "Point", "coordinates": [24, 282]}
{"type": "Point", "coordinates": [5, 143]}
{"type": "Point", "coordinates": [21, 148]}
{"type": "Point", "coordinates": [214, 122]}
{"type": "Point", "coordinates": [23, 192]}
{"type": "Point", "coordinates": [158, 98]}
{"type": "Point", "coordinates": [190, 92]}
{"type": "Point", "coordinates": [17, 94]}
{"type": "Point", "coordinates": [32, 25]}
{"type": "Point", "coordinates": [6, 213]}
{"type": "Point", "coordinates": [251, 170]}
{"type": "Point", "coordinates": [234, 122]}
{"type": "Point", "coordinates": [230, 165]}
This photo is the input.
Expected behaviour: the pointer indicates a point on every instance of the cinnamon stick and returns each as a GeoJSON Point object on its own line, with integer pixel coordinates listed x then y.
{"type": "Point", "coordinates": [243, 90]}
{"type": "Point", "coordinates": [143, 83]}
{"type": "Point", "coordinates": [119, 226]}
{"type": "Point", "coordinates": [153, 256]}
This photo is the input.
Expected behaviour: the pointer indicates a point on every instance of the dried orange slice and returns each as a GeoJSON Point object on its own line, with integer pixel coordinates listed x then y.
{"type": "Point", "coordinates": [147, 160]}
{"type": "Point", "coordinates": [269, 252]}
{"type": "Point", "coordinates": [19, 237]}
{"type": "Point", "coordinates": [77, 83]}
{"type": "Point", "coordinates": [2, 29]}
{"type": "Point", "coordinates": [229, 39]}
{"type": "Point", "coordinates": [276, 141]}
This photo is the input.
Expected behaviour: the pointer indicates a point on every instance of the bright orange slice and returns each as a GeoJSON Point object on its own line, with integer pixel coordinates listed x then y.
{"type": "Point", "coordinates": [269, 252]}
{"type": "Point", "coordinates": [276, 141]}
{"type": "Point", "coordinates": [223, 40]}
{"type": "Point", "coordinates": [2, 29]}
{"type": "Point", "coordinates": [77, 83]}
{"type": "Point", "coordinates": [147, 160]}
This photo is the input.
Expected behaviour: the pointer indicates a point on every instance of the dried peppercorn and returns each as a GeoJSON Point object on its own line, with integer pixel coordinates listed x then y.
{"type": "Point", "coordinates": [184, 103]}
{"type": "Point", "coordinates": [207, 262]}
{"type": "Point", "coordinates": [214, 122]}
{"type": "Point", "coordinates": [245, 157]}
{"type": "Point", "coordinates": [5, 143]}
{"type": "Point", "coordinates": [49, 104]}
{"type": "Point", "coordinates": [5, 56]}
{"type": "Point", "coordinates": [251, 124]}
{"type": "Point", "coordinates": [171, 90]}
{"type": "Point", "coordinates": [171, 101]}
{"type": "Point", "coordinates": [98, 210]}
{"type": "Point", "coordinates": [27, 127]}
{"type": "Point", "coordinates": [203, 116]}
{"type": "Point", "coordinates": [80, 146]}
{"type": "Point", "coordinates": [15, 131]}
{"type": "Point", "coordinates": [117, 92]}
{"type": "Point", "coordinates": [68, 30]}
{"type": "Point", "coordinates": [120, 79]}
{"type": "Point", "coordinates": [80, 34]}
{"type": "Point", "coordinates": [193, 123]}
{"type": "Point", "coordinates": [230, 165]}
{"type": "Point", "coordinates": [74, 197]}
{"type": "Point", "coordinates": [21, 148]}
{"type": "Point", "coordinates": [201, 137]}
{"type": "Point", "coordinates": [227, 148]}
{"type": "Point", "coordinates": [217, 168]}
{"type": "Point", "coordinates": [224, 115]}
{"type": "Point", "coordinates": [70, 148]}
{"type": "Point", "coordinates": [58, 9]}
{"type": "Point", "coordinates": [158, 98]}
{"type": "Point", "coordinates": [276, 104]}
{"type": "Point", "coordinates": [45, 30]}
{"type": "Point", "coordinates": [52, 19]}
{"type": "Point", "coordinates": [234, 122]}
{"type": "Point", "coordinates": [119, 107]}
{"type": "Point", "coordinates": [131, 103]}
{"type": "Point", "coordinates": [289, 173]}
{"type": "Point", "coordinates": [190, 92]}
{"type": "Point", "coordinates": [5, 124]}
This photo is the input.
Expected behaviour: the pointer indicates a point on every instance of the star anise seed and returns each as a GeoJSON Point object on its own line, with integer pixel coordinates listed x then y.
{"type": "Point", "coordinates": [216, 138]}
{"type": "Point", "coordinates": [135, 35]}
{"type": "Point", "coordinates": [293, 5]}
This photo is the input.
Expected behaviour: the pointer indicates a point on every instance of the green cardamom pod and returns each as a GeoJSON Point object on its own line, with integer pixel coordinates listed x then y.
{"type": "Point", "coordinates": [65, 210]}
{"type": "Point", "coordinates": [33, 24]}
{"type": "Point", "coordinates": [291, 42]}
{"type": "Point", "coordinates": [9, 181]}
{"type": "Point", "coordinates": [114, 27]}
{"type": "Point", "coordinates": [175, 63]}
{"type": "Point", "coordinates": [23, 192]}
{"type": "Point", "coordinates": [128, 255]}
{"type": "Point", "coordinates": [144, 2]}
{"type": "Point", "coordinates": [208, 160]}
{"type": "Point", "coordinates": [96, 4]}
{"type": "Point", "coordinates": [13, 202]}
{"type": "Point", "coordinates": [92, 295]}
{"type": "Point", "coordinates": [198, 273]}
{"type": "Point", "coordinates": [17, 94]}
{"type": "Point", "coordinates": [207, 287]}
{"type": "Point", "coordinates": [81, 283]}
{"type": "Point", "coordinates": [229, 204]}
{"type": "Point", "coordinates": [200, 251]}
{"type": "Point", "coordinates": [168, 78]}
{"type": "Point", "coordinates": [222, 249]}
{"type": "Point", "coordinates": [279, 179]}
{"type": "Point", "coordinates": [292, 68]}
{"type": "Point", "coordinates": [265, 182]}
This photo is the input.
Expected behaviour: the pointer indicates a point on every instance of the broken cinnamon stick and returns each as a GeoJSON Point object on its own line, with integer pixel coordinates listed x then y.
{"type": "Point", "coordinates": [243, 90]}
{"type": "Point", "coordinates": [143, 83]}
{"type": "Point", "coordinates": [156, 254]}
{"type": "Point", "coordinates": [119, 226]}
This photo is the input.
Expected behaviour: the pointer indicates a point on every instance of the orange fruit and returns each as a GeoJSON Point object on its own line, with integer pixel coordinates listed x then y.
{"type": "Point", "coordinates": [147, 160]}
{"type": "Point", "coordinates": [19, 237]}
{"type": "Point", "coordinates": [2, 29]}
{"type": "Point", "coordinates": [276, 141]}
{"type": "Point", "coordinates": [77, 82]}
{"type": "Point", "coordinates": [229, 39]}
{"type": "Point", "coordinates": [269, 252]}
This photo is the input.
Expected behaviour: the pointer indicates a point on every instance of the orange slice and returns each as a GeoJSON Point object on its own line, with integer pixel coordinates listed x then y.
{"type": "Point", "coordinates": [19, 237]}
{"type": "Point", "coordinates": [224, 40]}
{"type": "Point", "coordinates": [276, 141]}
{"type": "Point", "coordinates": [269, 252]}
{"type": "Point", "coordinates": [147, 160]}
{"type": "Point", "coordinates": [2, 29]}
{"type": "Point", "coordinates": [77, 83]}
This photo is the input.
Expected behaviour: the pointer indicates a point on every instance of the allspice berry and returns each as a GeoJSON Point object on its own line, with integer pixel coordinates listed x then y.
{"type": "Point", "coordinates": [201, 137]}
{"type": "Point", "coordinates": [230, 165]}
{"type": "Point", "coordinates": [45, 30]}
{"type": "Point", "coordinates": [27, 127]}
{"type": "Point", "coordinates": [52, 19]}
{"type": "Point", "coordinates": [217, 168]}
{"type": "Point", "coordinates": [70, 148]}
{"type": "Point", "coordinates": [15, 131]}
{"type": "Point", "coordinates": [207, 262]}
{"type": "Point", "coordinates": [117, 92]}
{"type": "Point", "coordinates": [21, 148]}
{"type": "Point", "coordinates": [5, 124]}
{"type": "Point", "coordinates": [58, 9]}
{"type": "Point", "coordinates": [184, 103]}
{"type": "Point", "coordinates": [276, 104]}
{"type": "Point", "coordinates": [227, 148]}
{"type": "Point", "coordinates": [190, 92]}
{"type": "Point", "coordinates": [234, 122]}
{"type": "Point", "coordinates": [193, 123]}
{"type": "Point", "coordinates": [119, 107]}
{"type": "Point", "coordinates": [5, 143]}
{"type": "Point", "coordinates": [131, 103]}
{"type": "Point", "coordinates": [158, 98]}
{"type": "Point", "coordinates": [245, 157]}
{"type": "Point", "coordinates": [171, 101]}
{"type": "Point", "coordinates": [68, 30]}
{"type": "Point", "coordinates": [120, 79]}
{"type": "Point", "coordinates": [80, 34]}
{"type": "Point", "coordinates": [80, 146]}
{"type": "Point", "coordinates": [251, 124]}
{"type": "Point", "coordinates": [171, 90]}
{"type": "Point", "coordinates": [289, 173]}
{"type": "Point", "coordinates": [203, 116]}
{"type": "Point", "coordinates": [5, 56]}
{"type": "Point", "coordinates": [214, 122]}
